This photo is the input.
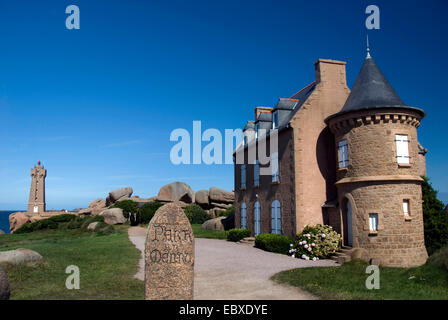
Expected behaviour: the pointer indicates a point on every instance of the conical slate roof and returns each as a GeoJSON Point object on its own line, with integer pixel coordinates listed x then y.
{"type": "Point", "coordinates": [372, 91]}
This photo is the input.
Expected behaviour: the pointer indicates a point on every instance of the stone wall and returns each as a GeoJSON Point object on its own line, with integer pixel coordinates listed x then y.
{"type": "Point", "coordinates": [374, 182]}
{"type": "Point", "coordinates": [267, 191]}
{"type": "Point", "coordinates": [399, 241]}
{"type": "Point", "coordinates": [313, 143]}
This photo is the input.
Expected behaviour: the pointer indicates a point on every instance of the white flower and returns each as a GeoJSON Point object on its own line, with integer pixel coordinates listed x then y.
{"type": "Point", "coordinates": [313, 244]}
{"type": "Point", "coordinates": [305, 246]}
{"type": "Point", "coordinates": [303, 256]}
{"type": "Point", "coordinates": [293, 256]}
{"type": "Point", "coordinates": [309, 249]}
{"type": "Point", "coordinates": [323, 235]}
{"type": "Point", "coordinates": [291, 245]}
{"type": "Point", "coordinates": [304, 242]}
{"type": "Point", "coordinates": [300, 243]}
{"type": "Point", "coordinates": [314, 259]}
{"type": "Point", "coordinates": [307, 258]}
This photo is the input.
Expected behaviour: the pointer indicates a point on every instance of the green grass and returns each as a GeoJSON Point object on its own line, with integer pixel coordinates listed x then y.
{"type": "Point", "coordinates": [209, 234]}
{"type": "Point", "coordinates": [107, 264]}
{"type": "Point", "coordinates": [348, 282]}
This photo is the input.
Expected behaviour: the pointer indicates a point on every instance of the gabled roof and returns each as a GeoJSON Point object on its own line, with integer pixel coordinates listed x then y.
{"type": "Point", "coordinates": [372, 91]}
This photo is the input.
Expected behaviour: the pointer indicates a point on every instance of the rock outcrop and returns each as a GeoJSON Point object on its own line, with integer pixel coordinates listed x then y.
{"type": "Point", "coordinates": [19, 256]}
{"type": "Point", "coordinates": [1, 232]}
{"type": "Point", "coordinates": [118, 195]}
{"type": "Point", "coordinates": [92, 226]}
{"type": "Point", "coordinates": [4, 286]}
{"type": "Point", "coordinates": [17, 219]}
{"type": "Point", "coordinates": [176, 191]}
{"type": "Point", "coordinates": [221, 196]}
{"type": "Point", "coordinates": [213, 224]}
{"type": "Point", "coordinates": [201, 198]}
{"type": "Point", "coordinates": [98, 203]}
{"type": "Point", "coordinates": [113, 216]}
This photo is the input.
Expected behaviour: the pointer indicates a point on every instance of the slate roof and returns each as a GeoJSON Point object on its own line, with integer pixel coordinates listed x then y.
{"type": "Point", "coordinates": [372, 91]}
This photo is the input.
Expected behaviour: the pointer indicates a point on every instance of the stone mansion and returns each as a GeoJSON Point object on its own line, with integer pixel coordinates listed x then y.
{"type": "Point", "coordinates": [349, 159]}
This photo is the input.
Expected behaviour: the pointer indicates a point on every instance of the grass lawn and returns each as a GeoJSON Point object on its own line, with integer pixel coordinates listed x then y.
{"type": "Point", "coordinates": [107, 264]}
{"type": "Point", "coordinates": [348, 282]}
{"type": "Point", "coordinates": [209, 234]}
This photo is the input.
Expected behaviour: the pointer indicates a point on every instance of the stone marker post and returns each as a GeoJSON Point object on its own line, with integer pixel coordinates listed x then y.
{"type": "Point", "coordinates": [169, 255]}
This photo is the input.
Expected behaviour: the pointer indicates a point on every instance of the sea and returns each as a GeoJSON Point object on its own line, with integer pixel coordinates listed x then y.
{"type": "Point", "coordinates": [4, 220]}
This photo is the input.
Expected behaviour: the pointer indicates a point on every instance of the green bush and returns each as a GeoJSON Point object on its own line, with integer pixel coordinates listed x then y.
{"type": "Point", "coordinates": [316, 242]}
{"type": "Point", "coordinates": [435, 219]}
{"type": "Point", "coordinates": [128, 206]}
{"type": "Point", "coordinates": [236, 235]}
{"type": "Point", "coordinates": [196, 214]}
{"type": "Point", "coordinates": [439, 258]}
{"type": "Point", "coordinates": [38, 225]}
{"type": "Point", "coordinates": [104, 229]}
{"type": "Point", "coordinates": [148, 210]}
{"type": "Point", "coordinates": [62, 218]}
{"type": "Point", "coordinates": [273, 242]}
{"type": "Point", "coordinates": [88, 220]}
{"type": "Point", "coordinates": [227, 212]}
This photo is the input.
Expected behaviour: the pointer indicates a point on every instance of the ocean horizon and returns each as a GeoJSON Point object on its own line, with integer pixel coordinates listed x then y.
{"type": "Point", "coordinates": [4, 219]}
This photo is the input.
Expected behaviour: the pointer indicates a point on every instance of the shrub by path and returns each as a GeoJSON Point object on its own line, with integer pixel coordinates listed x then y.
{"type": "Point", "coordinates": [227, 270]}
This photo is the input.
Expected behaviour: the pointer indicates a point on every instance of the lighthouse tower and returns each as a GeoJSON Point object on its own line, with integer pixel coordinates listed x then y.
{"type": "Point", "coordinates": [36, 202]}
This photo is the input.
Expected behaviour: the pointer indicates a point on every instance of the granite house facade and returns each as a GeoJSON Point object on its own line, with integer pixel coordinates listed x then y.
{"type": "Point", "coordinates": [349, 159]}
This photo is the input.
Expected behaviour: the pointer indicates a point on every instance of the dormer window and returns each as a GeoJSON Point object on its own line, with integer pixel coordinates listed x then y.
{"type": "Point", "coordinates": [275, 120]}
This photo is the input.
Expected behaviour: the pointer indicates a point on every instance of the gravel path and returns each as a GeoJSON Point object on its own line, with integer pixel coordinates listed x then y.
{"type": "Point", "coordinates": [233, 271]}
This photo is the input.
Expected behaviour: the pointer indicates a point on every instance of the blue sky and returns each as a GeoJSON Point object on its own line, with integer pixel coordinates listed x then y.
{"type": "Point", "coordinates": [97, 105]}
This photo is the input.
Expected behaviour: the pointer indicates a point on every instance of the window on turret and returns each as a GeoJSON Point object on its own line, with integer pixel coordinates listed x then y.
{"type": "Point", "coordinates": [373, 222]}
{"type": "Point", "coordinates": [243, 176]}
{"type": "Point", "coordinates": [406, 208]}
{"type": "Point", "coordinates": [257, 127]}
{"type": "Point", "coordinates": [343, 154]}
{"type": "Point", "coordinates": [402, 144]}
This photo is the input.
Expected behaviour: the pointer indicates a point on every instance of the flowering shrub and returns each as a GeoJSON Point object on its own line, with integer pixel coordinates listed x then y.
{"type": "Point", "coordinates": [315, 242]}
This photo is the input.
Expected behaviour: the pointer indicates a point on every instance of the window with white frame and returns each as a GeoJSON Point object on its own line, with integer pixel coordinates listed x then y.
{"type": "Point", "coordinates": [406, 208]}
{"type": "Point", "coordinates": [343, 154]}
{"type": "Point", "coordinates": [243, 216]}
{"type": "Point", "coordinates": [275, 120]}
{"type": "Point", "coordinates": [274, 166]}
{"type": "Point", "coordinates": [373, 222]}
{"type": "Point", "coordinates": [243, 176]}
{"type": "Point", "coordinates": [245, 139]}
{"type": "Point", "coordinates": [402, 145]}
{"type": "Point", "coordinates": [256, 173]}
{"type": "Point", "coordinates": [257, 128]}
{"type": "Point", "coordinates": [276, 219]}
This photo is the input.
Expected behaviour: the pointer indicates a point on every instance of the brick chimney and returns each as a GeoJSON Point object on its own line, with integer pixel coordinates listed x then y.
{"type": "Point", "coordinates": [258, 110]}
{"type": "Point", "coordinates": [330, 72]}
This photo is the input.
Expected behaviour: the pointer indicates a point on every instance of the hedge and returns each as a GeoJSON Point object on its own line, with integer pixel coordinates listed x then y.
{"type": "Point", "coordinates": [196, 214]}
{"type": "Point", "coordinates": [273, 242]}
{"type": "Point", "coordinates": [236, 235]}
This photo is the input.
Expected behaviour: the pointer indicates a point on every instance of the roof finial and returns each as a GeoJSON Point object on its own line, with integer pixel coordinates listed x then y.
{"type": "Point", "coordinates": [368, 48]}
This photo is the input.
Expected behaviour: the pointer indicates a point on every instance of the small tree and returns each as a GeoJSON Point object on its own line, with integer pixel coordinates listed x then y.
{"type": "Point", "coordinates": [435, 219]}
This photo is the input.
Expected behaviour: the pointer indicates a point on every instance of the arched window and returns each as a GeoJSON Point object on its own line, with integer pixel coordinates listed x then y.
{"type": "Point", "coordinates": [243, 216]}
{"type": "Point", "coordinates": [276, 222]}
{"type": "Point", "coordinates": [257, 218]}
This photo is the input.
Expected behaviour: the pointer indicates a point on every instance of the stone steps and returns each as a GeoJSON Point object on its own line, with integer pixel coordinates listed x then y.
{"type": "Point", "coordinates": [343, 255]}
{"type": "Point", "coordinates": [248, 241]}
